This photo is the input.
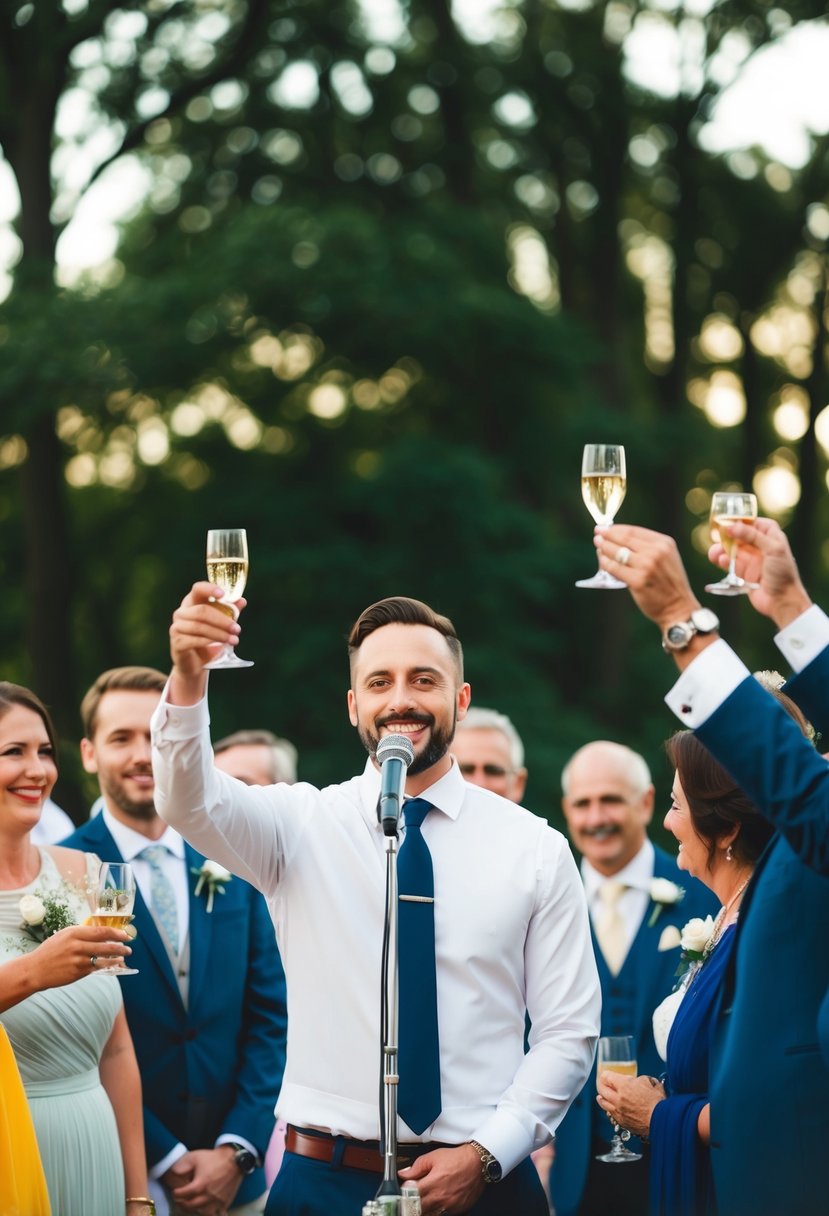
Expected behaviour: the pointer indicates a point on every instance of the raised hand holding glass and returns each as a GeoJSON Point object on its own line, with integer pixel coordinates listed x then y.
{"type": "Point", "coordinates": [731, 507]}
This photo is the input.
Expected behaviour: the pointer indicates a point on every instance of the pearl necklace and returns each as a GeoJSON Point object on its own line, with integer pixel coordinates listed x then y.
{"type": "Point", "coordinates": [719, 924]}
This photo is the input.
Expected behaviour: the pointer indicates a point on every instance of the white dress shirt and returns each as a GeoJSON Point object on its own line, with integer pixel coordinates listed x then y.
{"type": "Point", "coordinates": [511, 932]}
{"type": "Point", "coordinates": [633, 903]}
{"type": "Point", "coordinates": [716, 671]}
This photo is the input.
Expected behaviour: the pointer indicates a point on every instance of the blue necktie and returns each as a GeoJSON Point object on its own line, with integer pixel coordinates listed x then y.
{"type": "Point", "coordinates": [419, 1048]}
{"type": "Point", "coordinates": [162, 893]}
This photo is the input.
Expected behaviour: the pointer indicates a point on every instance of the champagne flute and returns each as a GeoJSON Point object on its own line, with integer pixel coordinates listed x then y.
{"type": "Point", "coordinates": [227, 567]}
{"type": "Point", "coordinates": [603, 485]}
{"type": "Point", "coordinates": [617, 1053]}
{"type": "Point", "coordinates": [731, 507]}
{"type": "Point", "coordinates": [114, 899]}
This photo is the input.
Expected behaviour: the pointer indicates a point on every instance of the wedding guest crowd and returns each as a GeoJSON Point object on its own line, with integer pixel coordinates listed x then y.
{"type": "Point", "coordinates": [498, 931]}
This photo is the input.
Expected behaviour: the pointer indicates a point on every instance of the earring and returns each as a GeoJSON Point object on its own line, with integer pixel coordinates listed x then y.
{"type": "Point", "coordinates": [729, 855]}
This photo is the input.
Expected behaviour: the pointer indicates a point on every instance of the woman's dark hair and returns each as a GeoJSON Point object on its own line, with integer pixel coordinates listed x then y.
{"type": "Point", "coordinates": [15, 694]}
{"type": "Point", "coordinates": [716, 803]}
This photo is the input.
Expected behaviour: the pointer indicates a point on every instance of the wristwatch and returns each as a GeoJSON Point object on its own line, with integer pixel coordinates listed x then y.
{"type": "Point", "coordinates": [678, 635]}
{"type": "Point", "coordinates": [490, 1166]}
{"type": "Point", "coordinates": [245, 1161]}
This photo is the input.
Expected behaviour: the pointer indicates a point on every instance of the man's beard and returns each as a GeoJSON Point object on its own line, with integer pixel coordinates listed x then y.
{"type": "Point", "coordinates": [436, 747]}
{"type": "Point", "coordinates": [113, 789]}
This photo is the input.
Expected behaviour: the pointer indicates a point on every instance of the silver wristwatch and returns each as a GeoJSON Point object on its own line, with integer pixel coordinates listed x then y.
{"type": "Point", "coordinates": [490, 1165]}
{"type": "Point", "coordinates": [678, 635]}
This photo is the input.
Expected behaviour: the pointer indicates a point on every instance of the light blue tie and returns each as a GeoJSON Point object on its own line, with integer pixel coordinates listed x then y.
{"type": "Point", "coordinates": [418, 1056]}
{"type": "Point", "coordinates": [162, 893]}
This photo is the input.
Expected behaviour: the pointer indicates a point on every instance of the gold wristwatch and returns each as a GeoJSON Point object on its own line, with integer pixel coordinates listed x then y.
{"type": "Point", "coordinates": [490, 1166]}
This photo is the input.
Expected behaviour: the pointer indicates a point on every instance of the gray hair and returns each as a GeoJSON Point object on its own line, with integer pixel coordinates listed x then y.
{"type": "Point", "coordinates": [491, 719]}
{"type": "Point", "coordinates": [638, 773]}
{"type": "Point", "coordinates": [283, 755]}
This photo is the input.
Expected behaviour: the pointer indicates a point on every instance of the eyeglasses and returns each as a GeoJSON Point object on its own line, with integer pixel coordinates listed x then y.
{"type": "Point", "coordinates": [488, 770]}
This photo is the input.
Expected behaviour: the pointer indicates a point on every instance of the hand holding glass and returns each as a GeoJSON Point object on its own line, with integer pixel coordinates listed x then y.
{"type": "Point", "coordinates": [114, 899]}
{"type": "Point", "coordinates": [227, 567]}
{"type": "Point", "coordinates": [731, 507]}
{"type": "Point", "coordinates": [617, 1053]}
{"type": "Point", "coordinates": [603, 486]}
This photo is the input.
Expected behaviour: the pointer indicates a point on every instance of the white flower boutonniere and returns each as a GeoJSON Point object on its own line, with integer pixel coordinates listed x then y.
{"type": "Point", "coordinates": [663, 892]}
{"type": "Point", "coordinates": [213, 879]}
{"type": "Point", "coordinates": [697, 940]}
{"type": "Point", "coordinates": [44, 915]}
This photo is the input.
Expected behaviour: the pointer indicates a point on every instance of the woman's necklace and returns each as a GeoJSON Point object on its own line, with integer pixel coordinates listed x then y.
{"type": "Point", "coordinates": [719, 924]}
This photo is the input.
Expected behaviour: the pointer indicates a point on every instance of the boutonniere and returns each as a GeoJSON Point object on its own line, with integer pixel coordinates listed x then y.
{"type": "Point", "coordinates": [213, 879]}
{"type": "Point", "coordinates": [663, 893]}
{"type": "Point", "coordinates": [697, 941]}
{"type": "Point", "coordinates": [44, 915]}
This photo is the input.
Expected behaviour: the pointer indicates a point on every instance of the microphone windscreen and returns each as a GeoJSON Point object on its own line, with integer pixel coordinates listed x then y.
{"type": "Point", "coordinates": [395, 747]}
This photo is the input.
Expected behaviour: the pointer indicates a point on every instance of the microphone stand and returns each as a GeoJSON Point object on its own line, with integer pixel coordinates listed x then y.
{"type": "Point", "coordinates": [389, 1028]}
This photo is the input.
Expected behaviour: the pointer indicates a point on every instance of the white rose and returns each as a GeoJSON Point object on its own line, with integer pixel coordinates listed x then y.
{"type": "Point", "coordinates": [670, 939]}
{"type": "Point", "coordinates": [32, 910]}
{"type": "Point", "coordinates": [212, 870]}
{"type": "Point", "coordinates": [663, 891]}
{"type": "Point", "coordinates": [697, 933]}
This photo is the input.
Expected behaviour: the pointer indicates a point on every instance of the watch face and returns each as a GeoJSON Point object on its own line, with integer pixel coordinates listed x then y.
{"type": "Point", "coordinates": [493, 1170]}
{"type": "Point", "coordinates": [678, 635]}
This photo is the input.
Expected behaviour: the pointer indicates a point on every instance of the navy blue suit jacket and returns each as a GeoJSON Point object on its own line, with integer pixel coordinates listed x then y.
{"type": "Point", "coordinates": [769, 1121]}
{"type": "Point", "coordinates": [215, 1066]}
{"type": "Point", "coordinates": [628, 1002]}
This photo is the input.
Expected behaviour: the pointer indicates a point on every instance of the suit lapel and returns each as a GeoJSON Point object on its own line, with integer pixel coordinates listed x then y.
{"type": "Point", "coordinates": [201, 922]}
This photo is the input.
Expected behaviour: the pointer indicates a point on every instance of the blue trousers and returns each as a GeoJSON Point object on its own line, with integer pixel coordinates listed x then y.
{"type": "Point", "coordinates": [304, 1187]}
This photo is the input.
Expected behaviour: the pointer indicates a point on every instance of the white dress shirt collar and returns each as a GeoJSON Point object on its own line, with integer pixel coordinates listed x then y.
{"type": "Point", "coordinates": [637, 874]}
{"type": "Point", "coordinates": [446, 794]}
{"type": "Point", "coordinates": [130, 843]}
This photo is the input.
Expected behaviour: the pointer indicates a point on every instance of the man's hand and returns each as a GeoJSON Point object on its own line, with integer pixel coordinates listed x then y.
{"type": "Point", "coordinates": [199, 630]}
{"type": "Point", "coordinates": [629, 1101]}
{"type": "Point", "coordinates": [204, 1181]}
{"type": "Point", "coordinates": [764, 557]}
{"type": "Point", "coordinates": [653, 571]}
{"type": "Point", "coordinates": [449, 1179]}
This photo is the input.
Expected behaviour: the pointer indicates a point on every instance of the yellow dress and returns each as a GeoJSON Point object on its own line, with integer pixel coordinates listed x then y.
{"type": "Point", "coordinates": [22, 1184]}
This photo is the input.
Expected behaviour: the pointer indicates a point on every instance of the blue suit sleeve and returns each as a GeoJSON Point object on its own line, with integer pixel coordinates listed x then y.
{"type": "Point", "coordinates": [264, 1035]}
{"type": "Point", "coordinates": [763, 749]}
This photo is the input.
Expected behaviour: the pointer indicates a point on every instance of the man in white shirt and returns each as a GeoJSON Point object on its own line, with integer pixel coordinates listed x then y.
{"type": "Point", "coordinates": [490, 753]}
{"type": "Point", "coordinates": [634, 892]}
{"type": "Point", "coordinates": [510, 928]}
{"type": "Point", "coordinates": [766, 1062]}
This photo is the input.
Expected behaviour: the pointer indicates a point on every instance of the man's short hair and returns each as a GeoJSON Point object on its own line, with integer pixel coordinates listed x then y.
{"type": "Point", "coordinates": [638, 773]}
{"type": "Point", "coordinates": [133, 679]}
{"type": "Point", "coordinates": [283, 755]}
{"type": "Point", "coordinates": [490, 719]}
{"type": "Point", "coordinates": [401, 610]}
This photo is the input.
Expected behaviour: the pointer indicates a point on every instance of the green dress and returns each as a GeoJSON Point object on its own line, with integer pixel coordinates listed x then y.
{"type": "Point", "coordinates": [58, 1036]}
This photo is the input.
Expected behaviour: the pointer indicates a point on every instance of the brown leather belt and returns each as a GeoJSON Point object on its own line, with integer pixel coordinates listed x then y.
{"type": "Point", "coordinates": [356, 1155]}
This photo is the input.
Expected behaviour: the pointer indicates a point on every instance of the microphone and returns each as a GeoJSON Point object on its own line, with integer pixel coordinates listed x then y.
{"type": "Point", "coordinates": [394, 755]}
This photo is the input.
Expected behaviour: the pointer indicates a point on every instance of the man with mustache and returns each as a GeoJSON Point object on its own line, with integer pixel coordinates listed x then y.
{"type": "Point", "coordinates": [494, 887]}
{"type": "Point", "coordinates": [608, 803]}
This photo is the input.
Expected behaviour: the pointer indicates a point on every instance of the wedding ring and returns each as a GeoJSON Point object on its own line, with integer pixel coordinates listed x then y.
{"type": "Point", "coordinates": [623, 555]}
{"type": "Point", "coordinates": [93, 961]}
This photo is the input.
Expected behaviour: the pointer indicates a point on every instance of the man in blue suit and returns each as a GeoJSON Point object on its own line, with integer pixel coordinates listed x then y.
{"type": "Point", "coordinates": [635, 891]}
{"type": "Point", "coordinates": [207, 1008]}
{"type": "Point", "coordinates": [768, 1113]}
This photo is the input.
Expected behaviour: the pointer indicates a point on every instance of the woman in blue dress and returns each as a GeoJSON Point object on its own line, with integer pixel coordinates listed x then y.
{"type": "Point", "coordinates": [720, 836]}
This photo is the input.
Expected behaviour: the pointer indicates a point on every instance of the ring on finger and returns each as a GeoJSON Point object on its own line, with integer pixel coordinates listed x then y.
{"type": "Point", "coordinates": [623, 555]}
{"type": "Point", "coordinates": [93, 961]}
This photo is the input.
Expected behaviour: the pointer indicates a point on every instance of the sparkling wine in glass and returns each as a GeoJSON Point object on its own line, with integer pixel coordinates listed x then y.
{"type": "Point", "coordinates": [227, 567]}
{"type": "Point", "coordinates": [603, 486]}
{"type": "Point", "coordinates": [114, 899]}
{"type": "Point", "coordinates": [731, 507]}
{"type": "Point", "coordinates": [617, 1053]}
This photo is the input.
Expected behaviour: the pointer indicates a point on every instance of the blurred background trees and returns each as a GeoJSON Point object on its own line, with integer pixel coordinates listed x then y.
{"type": "Point", "coordinates": [386, 269]}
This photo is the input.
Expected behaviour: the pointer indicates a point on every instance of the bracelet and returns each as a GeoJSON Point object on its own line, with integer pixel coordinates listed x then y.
{"type": "Point", "coordinates": [145, 1199]}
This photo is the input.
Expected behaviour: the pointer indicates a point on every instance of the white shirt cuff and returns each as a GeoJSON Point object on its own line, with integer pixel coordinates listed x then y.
{"type": "Point", "coordinates": [505, 1138]}
{"type": "Point", "coordinates": [705, 683]}
{"type": "Point", "coordinates": [230, 1138]}
{"type": "Point", "coordinates": [804, 638]}
{"type": "Point", "coordinates": [164, 1164]}
{"type": "Point", "coordinates": [179, 722]}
